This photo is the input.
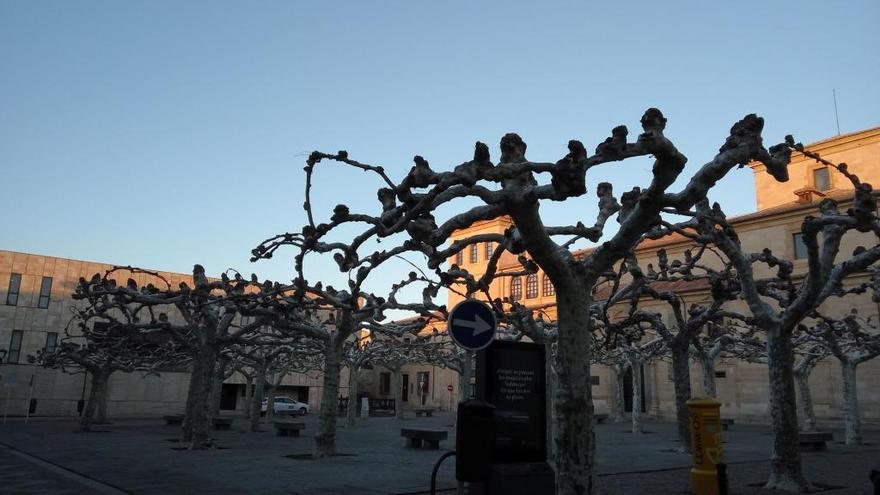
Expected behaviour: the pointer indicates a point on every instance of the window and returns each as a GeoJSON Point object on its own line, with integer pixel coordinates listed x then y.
{"type": "Point", "coordinates": [720, 374]}
{"type": "Point", "coordinates": [472, 253]}
{"type": "Point", "coordinates": [14, 347]}
{"type": "Point", "coordinates": [821, 179]}
{"type": "Point", "coordinates": [800, 248]}
{"type": "Point", "coordinates": [14, 288]}
{"type": "Point", "coordinates": [516, 289]}
{"type": "Point", "coordinates": [490, 250]}
{"type": "Point", "coordinates": [532, 286]}
{"type": "Point", "coordinates": [459, 258]}
{"type": "Point", "coordinates": [385, 383]}
{"type": "Point", "coordinates": [45, 291]}
{"type": "Point", "coordinates": [51, 342]}
{"type": "Point", "coordinates": [247, 320]}
{"type": "Point", "coordinates": [548, 288]}
{"type": "Point", "coordinates": [594, 380]}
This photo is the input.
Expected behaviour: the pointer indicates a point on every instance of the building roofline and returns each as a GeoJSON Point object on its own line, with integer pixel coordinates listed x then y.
{"type": "Point", "coordinates": [847, 140]}
{"type": "Point", "coordinates": [158, 270]}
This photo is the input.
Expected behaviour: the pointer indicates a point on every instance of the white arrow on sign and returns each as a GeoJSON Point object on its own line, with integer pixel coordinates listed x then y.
{"type": "Point", "coordinates": [479, 325]}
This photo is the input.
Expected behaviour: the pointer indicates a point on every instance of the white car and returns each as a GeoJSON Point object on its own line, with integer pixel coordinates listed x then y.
{"type": "Point", "coordinates": [286, 405]}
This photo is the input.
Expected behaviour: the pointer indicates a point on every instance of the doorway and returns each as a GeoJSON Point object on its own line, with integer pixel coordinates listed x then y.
{"type": "Point", "coordinates": [229, 396]}
{"type": "Point", "coordinates": [404, 396]}
{"type": "Point", "coordinates": [628, 390]}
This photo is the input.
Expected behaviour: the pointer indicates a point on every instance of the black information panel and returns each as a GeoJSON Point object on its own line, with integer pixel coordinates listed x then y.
{"type": "Point", "coordinates": [510, 376]}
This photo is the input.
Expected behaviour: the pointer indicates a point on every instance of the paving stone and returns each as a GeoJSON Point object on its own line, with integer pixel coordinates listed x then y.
{"type": "Point", "coordinates": [136, 457]}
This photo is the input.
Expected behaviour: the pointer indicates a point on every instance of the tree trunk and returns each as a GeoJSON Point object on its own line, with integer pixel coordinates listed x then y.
{"type": "Point", "coordinates": [249, 396]}
{"type": "Point", "coordinates": [197, 420]}
{"type": "Point", "coordinates": [785, 467]}
{"type": "Point", "coordinates": [270, 394]}
{"type": "Point", "coordinates": [805, 401]}
{"type": "Point", "coordinates": [325, 440]}
{"type": "Point", "coordinates": [97, 396]}
{"type": "Point", "coordinates": [707, 363]}
{"type": "Point", "coordinates": [636, 366]}
{"type": "Point", "coordinates": [617, 407]}
{"type": "Point", "coordinates": [398, 393]}
{"type": "Point", "coordinates": [802, 371]}
{"type": "Point", "coordinates": [256, 401]}
{"type": "Point", "coordinates": [681, 375]}
{"type": "Point", "coordinates": [352, 410]}
{"type": "Point", "coordinates": [851, 404]}
{"type": "Point", "coordinates": [573, 407]}
{"type": "Point", "coordinates": [104, 400]}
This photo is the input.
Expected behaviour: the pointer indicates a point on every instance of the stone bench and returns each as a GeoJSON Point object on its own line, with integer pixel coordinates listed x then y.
{"type": "Point", "coordinates": [427, 411]}
{"type": "Point", "coordinates": [600, 418]}
{"type": "Point", "coordinates": [725, 423]}
{"type": "Point", "coordinates": [416, 437]}
{"type": "Point", "coordinates": [222, 423]}
{"type": "Point", "coordinates": [173, 419]}
{"type": "Point", "coordinates": [381, 413]}
{"type": "Point", "coordinates": [814, 440]}
{"type": "Point", "coordinates": [290, 428]}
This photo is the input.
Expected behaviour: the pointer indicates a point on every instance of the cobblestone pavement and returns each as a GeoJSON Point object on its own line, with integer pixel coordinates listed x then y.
{"type": "Point", "coordinates": [137, 456]}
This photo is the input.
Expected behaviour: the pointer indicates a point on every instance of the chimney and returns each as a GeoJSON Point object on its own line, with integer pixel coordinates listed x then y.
{"type": "Point", "coordinates": [807, 194]}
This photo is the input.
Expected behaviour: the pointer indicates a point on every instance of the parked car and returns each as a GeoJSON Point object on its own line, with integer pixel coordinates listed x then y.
{"type": "Point", "coordinates": [286, 405]}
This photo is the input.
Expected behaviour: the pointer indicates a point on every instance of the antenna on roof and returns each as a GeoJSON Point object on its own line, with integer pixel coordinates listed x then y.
{"type": "Point", "coordinates": [836, 118]}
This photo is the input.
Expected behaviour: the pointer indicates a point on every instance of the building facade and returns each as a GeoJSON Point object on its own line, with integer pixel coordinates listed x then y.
{"type": "Point", "coordinates": [35, 309]}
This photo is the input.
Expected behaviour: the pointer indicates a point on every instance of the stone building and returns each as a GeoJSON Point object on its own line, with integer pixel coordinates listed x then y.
{"type": "Point", "coordinates": [35, 304]}
{"type": "Point", "coordinates": [741, 387]}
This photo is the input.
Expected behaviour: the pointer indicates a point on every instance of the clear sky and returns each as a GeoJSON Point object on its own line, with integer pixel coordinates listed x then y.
{"type": "Point", "coordinates": [165, 133]}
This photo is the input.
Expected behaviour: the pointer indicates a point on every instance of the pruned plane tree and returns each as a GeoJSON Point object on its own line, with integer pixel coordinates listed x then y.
{"type": "Point", "coordinates": [510, 188]}
{"type": "Point", "coordinates": [106, 335]}
{"type": "Point", "coordinates": [354, 309]}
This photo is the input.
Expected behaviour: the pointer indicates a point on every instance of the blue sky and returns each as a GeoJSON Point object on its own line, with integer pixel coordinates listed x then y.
{"type": "Point", "coordinates": [166, 133]}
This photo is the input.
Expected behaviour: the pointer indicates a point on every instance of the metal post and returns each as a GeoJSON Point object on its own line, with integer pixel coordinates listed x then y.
{"type": "Point", "coordinates": [722, 478]}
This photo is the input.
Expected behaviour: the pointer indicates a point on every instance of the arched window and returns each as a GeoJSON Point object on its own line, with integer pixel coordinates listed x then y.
{"type": "Point", "coordinates": [490, 250]}
{"type": "Point", "coordinates": [532, 286]}
{"type": "Point", "coordinates": [516, 289]}
{"type": "Point", "coordinates": [548, 288]}
{"type": "Point", "coordinates": [473, 250]}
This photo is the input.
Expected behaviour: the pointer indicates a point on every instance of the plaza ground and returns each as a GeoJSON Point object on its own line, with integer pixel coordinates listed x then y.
{"type": "Point", "coordinates": [48, 456]}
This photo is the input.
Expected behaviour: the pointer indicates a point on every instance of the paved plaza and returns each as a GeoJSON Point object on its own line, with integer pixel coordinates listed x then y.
{"type": "Point", "coordinates": [138, 456]}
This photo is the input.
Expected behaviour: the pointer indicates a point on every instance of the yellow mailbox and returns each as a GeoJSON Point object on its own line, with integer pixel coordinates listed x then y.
{"type": "Point", "coordinates": [705, 422]}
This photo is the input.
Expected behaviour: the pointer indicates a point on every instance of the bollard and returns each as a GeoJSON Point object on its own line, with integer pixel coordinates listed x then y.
{"type": "Point", "coordinates": [705, 421]}
{"type": "Point", "coordinates": [722, 478]}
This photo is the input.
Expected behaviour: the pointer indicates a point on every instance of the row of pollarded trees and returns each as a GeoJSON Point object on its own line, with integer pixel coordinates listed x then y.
{"type": "Point", "coordinates": [640, 319]}
{"type": "Point", "coordinates": [513, 187]}
{"type": "Point", "coordinates": [851, 340]}
{"type": "Point", "coordinates": [216, 327]}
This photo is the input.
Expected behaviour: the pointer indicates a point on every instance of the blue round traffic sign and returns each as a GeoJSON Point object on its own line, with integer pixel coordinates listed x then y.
{"type": "Point", "coordinates": [471, 325]}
